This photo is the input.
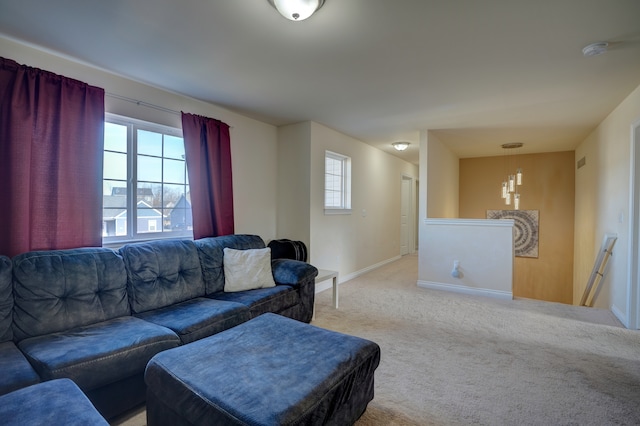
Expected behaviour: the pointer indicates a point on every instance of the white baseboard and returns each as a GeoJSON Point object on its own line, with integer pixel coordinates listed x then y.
{"type": "Point", "coordinates": [367, 269]}
{"type": "Point", "coordinates": [496, 294]}
{"type": "Point", "coordinates": [624, 319]}
{"type": "Point", "coordinates": [326, 285]}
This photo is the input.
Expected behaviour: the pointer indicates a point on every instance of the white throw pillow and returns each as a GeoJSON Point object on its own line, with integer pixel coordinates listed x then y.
{"type": "Point", "coordinates": [247, 269]}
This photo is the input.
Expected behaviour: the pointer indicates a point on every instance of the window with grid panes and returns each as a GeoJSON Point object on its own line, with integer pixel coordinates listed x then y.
{"type": "Point", "coordinates": [145, 184]}
{"type": "Point", "coordinates": [337, 183]}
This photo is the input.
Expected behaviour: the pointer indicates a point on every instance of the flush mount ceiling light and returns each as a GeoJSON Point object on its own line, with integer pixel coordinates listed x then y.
{"type": "Point", "coordinates": [296, 10]}
{"type": "Point", "coordinates": [401, 146]}
{"type": "Point", "coordinates": [595, 49]}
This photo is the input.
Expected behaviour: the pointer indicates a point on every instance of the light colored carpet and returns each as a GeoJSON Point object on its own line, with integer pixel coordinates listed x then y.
{"type": "Point", "coordinates": [451, 359]}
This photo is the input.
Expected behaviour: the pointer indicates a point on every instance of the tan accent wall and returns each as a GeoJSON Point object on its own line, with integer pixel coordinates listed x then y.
{"type": "Point", "coordinates": [549, 187]}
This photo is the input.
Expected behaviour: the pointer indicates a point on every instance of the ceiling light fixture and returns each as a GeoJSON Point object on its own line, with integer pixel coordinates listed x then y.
{"type": "Point", "coordinates": [296, 10]}
{"type": "Point", "coordinates": [595, 49]}
{"type": "Point", "coordinates": [401, 146]}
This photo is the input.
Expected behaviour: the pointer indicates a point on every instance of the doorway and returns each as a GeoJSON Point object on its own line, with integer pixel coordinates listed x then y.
{"type": "Point", "coordinates": [407, 217]}
{"type": "Point", "coordinates": [633, 282]}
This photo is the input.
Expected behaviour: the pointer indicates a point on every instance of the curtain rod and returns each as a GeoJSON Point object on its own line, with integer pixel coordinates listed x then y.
{"type": "Point", "coordinates": [146, 104]}
{"type": "Point", "coordinates": [142, 103]}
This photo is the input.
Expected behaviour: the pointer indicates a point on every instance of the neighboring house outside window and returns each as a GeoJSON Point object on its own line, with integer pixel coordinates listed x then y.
{"type": "Point", "coordinates": [145, 184]}
{"type": "Point", "coordinates": [337, 183]}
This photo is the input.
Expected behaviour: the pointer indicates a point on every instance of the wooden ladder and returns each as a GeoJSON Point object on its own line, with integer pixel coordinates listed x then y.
{"type": "Point", "coordinates": [598, 270]}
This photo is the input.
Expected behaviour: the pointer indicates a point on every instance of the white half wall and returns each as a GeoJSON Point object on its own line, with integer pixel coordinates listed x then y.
{"type": "Point", "coordinates": [484, 250]}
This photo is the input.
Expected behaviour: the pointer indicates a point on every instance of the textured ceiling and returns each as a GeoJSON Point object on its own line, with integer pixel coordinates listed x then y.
{"type": "Point", "coordinates": [478, 73]}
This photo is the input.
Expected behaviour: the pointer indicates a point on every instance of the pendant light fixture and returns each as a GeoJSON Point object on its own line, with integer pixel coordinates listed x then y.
{"type": "Point", "coordinates": [296, 10]}
{"type": "Point", "coordinates": [510, 192]}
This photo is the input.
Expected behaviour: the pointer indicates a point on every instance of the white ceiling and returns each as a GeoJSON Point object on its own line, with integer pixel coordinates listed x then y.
{"type": "Point", "coordinates": [477, 72]}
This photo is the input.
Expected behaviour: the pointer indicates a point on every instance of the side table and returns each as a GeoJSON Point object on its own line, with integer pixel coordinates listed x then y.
{"type": "Point", "coordinates": [323, 275]}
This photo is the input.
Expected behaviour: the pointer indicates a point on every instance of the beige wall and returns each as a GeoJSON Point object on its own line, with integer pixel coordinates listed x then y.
{"type": "Point", "coordinates": [348, 243]}
{"type": "Point", "coordinates": [278, 174]}
{"type": "Point", "coordinates": [294, 163]}
{"type": "Point", "coordinates": [253, 143]}
{"type": "Point", "coordinates": [442, 180]}
{"type": "Point", "coordinates": [603, 194]}
{"type": "Point", "coordinates": [602, 206]}
{"type": "Point", "coordinates": [370, 235]}
{"type": "Point", "coordinates": [548, 186]}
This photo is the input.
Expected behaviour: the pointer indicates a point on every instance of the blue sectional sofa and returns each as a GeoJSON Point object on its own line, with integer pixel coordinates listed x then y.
{"type": "Point", "coordinates": [97, 315]}
{"type": "Point", "coordinates": [51, 403]}
{"type": "Point", "coordinates": [16, 371]}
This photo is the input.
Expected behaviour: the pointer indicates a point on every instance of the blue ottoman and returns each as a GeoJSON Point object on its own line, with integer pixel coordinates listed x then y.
{"type": "Point", "coordinates": [271, 370]}
{"type": "Point", "coordinates": [56, 402]}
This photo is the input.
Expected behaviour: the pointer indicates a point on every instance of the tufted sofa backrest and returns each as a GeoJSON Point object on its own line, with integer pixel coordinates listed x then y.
{"type": "Point", "coordinates": [211, 252]}
{"type": "Point", "coordinates": [162, 273]}
{"type": "Point", "coordinates": [6, 300]}
{"type": "Point", "coordinates": [57, 290]}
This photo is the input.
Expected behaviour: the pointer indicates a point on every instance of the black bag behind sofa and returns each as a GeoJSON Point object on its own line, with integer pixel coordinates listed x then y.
{"type": "Point", "coordinates": [288, 249]}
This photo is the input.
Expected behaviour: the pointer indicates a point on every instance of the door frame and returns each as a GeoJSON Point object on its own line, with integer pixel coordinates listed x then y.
{"type": "Point", "coordinates": [633, 281]}
{"type": "Point", "coordinates": [411, 213]}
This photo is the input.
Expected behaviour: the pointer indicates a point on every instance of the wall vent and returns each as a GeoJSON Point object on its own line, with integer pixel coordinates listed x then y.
{"type": "Point", "coordinates": [582, 162]}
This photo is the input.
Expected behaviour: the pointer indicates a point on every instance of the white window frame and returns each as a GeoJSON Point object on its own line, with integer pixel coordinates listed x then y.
{"type": "Point", "coordinates": [132, 234]}
{"type": "Point", "coordinates": [343, 174]}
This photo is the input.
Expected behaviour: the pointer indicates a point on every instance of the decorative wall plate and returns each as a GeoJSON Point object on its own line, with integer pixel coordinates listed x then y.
{"type": "Point", "coordinates": [526, 229]}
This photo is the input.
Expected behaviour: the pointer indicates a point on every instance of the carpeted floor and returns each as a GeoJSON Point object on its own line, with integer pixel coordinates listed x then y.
{"type": "Point", "coordinates": [451, 359]}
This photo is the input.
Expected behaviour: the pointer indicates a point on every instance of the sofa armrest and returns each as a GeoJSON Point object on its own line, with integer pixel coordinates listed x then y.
{"type": "Point", "coordinates": [292, 272]}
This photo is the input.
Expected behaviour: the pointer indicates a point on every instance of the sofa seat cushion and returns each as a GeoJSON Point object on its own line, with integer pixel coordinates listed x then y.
{"type": "Point", "coordinates": [99, 354]}
{"type": "Point", "coordinates": [57, 402]}
{"type": "Point", "coordinates": [263, 300]}
{"type": "Point", "coordinates": [198, 318]}
{"type": "Point", "coordinates": [16, 371]}
{"type": "Point", "coordinates": [6, 300]}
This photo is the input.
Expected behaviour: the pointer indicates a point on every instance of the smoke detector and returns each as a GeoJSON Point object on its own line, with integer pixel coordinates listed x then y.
{"type": "Point", "coordinates": [595, 49]}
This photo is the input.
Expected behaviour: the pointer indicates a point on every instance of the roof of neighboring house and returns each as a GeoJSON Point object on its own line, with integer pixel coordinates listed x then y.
{"type": "Point", "coordinates": [122, 191]}
{"type": "Point", "coordinates": [114, 207]}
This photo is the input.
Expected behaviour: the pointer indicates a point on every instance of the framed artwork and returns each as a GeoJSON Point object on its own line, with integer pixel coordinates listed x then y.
{"type": "Point", "coordinates": [526, 229]}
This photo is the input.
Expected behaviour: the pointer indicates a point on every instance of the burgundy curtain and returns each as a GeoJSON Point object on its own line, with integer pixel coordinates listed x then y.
{"type": "Point", "coordinates": [208, 155]}
{"type": "Point", "coordinates": [51, 143]}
